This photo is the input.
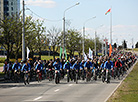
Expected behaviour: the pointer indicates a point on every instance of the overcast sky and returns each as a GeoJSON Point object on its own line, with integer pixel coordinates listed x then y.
{"type": "Point", "coordinates": [124, 16]}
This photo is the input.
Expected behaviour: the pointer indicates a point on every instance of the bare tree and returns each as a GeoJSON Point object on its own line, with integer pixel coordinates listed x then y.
{"type": "Point", "coordinates": [54, 36]}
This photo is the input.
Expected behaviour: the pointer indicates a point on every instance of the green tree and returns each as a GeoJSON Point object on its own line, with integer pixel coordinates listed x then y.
{"type": "Point", "coordinates": [136, 46]}
{"type": "Point", "coordinates": [124, 44]}
{"type": "Point", "coordinates": [6, 37]}
{"type": "Point", "coordinates": [39, 31]}
{"type": "Point", "coordinates": [115, 45]}
{"type": "Point", "coordinates": [73, 42]}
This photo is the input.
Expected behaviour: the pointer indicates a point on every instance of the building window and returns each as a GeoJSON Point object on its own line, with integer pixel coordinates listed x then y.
{"type": "Point", "coordinates": [6, 2]}
{"type": "Point", "coordinates": [12, 8]}
{"type": "Point", "coordinates": [7, 14]}
{"type": "Point", "coordinates": [11, 3]}
{"type": "Point", "coordinates": [12, 13]}
{"type": "Point", "coordinates": [6, 8]}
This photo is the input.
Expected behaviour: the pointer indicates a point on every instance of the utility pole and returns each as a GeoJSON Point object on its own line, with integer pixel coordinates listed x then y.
{"type": "Point", "coordinates": [23, 34]}
{"type": "Point", "coordinates": [105, 47]}
{"type": "Point", "coordinates": [102, 45]}
{"type": "Point", "coordinates": [83, 39]}
{"type": "Point", "coordinates": [63, 36]}
{"type": "Point", "coordinates": [95, 43]}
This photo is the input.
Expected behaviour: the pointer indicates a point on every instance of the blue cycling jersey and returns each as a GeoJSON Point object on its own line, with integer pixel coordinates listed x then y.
{"type": "Point", "coordinates": [16, 66]}
{"type": "Point", "coordinates": [76, 66]}
{"type": "Point", "coordinates": [39, 67]}
{"type": "Point", "coordinates": [67, 66]}
{"type": "Point", "coordinates": [108, 65]}
{"type": "Point", "coordinates": [26, 67]}
{"type": "Point", "coordinates": [88, 65]}
{"type": "Point", "coordinates": [57, 66]}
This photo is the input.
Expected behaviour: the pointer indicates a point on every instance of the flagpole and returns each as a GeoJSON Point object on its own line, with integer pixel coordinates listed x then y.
{"type": "Point", "coordinates": [111, 26]}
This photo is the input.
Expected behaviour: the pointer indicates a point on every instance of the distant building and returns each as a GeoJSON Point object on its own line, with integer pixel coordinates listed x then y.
{"type": "Point", "coordinates": [9, 8]}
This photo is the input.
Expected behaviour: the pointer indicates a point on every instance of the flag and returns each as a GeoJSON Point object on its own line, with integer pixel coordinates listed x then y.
{"type": "Point", "coordinates": [85, 56]}
{"type": "Point", "coordinates": [90, 53]}
{"type": "Point", "coordinates": [60, 52]}
{"type": "Point", "coordinates": [110, 50]}
{"type": "Point", "coordinates": [28, 51]}
{"type": "Point", "coordinates": [65, 53]}
{"type": "Point", "coordinates": [108, 11]}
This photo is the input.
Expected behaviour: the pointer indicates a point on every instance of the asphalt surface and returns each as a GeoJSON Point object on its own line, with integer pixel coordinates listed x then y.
{"type": "Point", "coordinates": [45, 91]}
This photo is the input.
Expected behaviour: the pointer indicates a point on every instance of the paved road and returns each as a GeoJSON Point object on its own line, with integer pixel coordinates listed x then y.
{"type": "Point", "coordinates": [46, 91]}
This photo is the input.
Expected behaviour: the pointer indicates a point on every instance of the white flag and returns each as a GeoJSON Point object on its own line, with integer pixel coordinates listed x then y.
{"type": "Point", "coordinates": [85, 56]}
{"type": "Point", "coordinates": [90, 53]}
{"type": "Point", "coordinates": [28, 51]}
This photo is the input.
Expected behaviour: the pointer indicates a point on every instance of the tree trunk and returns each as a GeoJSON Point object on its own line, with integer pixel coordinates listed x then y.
{"type": "Point", "coordinates": [40, 53]}
{"type": "Point", "coordinates": [8, 52]}
{"type": "Point", "coordinates": [16, 54]}
{"type": "Point", "coordinates": [54, 52]}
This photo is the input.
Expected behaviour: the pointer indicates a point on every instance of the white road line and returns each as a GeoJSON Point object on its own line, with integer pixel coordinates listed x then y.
{"type": "Point", "coordinates": [37, 98]}
{"type": "Point", "coordinates": [70, 84]}
{"type": "Point", "coordinates": [13, 87]}
{"type": "Point", "coordinates": [56, 90]}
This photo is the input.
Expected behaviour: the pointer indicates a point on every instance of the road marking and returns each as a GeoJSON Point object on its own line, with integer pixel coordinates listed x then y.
{"type": "Point", "coordinates": [37, 98]}
{"type": "Point", "coordinates": [56, 90]}
{"type": "Point", "coordinates": [70, 84]}
{"type": "Point", "coordinates": [13, 87]}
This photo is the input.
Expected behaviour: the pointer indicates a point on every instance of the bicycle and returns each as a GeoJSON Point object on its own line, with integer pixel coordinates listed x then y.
{"type": "Point", "coordinates": [26, 77]}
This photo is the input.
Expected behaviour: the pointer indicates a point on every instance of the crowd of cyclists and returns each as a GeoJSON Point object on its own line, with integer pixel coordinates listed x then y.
{"type": "Point", "coordinates": [74, 69]}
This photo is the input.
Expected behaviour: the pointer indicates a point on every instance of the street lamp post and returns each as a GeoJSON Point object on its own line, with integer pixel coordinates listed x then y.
{"type": "Point", "coordinates": [64, 26]}
{"type": "Point", "coordinates": [95, 42]}
{"type": "Point", "coordinates": [84, 33]}
{"type": "Point", "coordinates": [23, 34]}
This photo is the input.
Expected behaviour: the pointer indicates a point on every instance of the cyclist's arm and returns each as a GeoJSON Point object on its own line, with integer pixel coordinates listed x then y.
{"type": "Point", "coordinates": [60, 65]}
{"type": "Point", "coordinates": [13, 66]}
{"type": "Point", "coordinates": [105, 65]}
{"type": "Point", "coordinates": [19, 66]}
{"type": "Point", "coordinates": [36, 67]}
{"type": "Point", "coordinates": [112, 65]}
{"type": "Point", "coordinates": [22, 67]}
{"type": "Point", "coordinates": [29, 67]}
{"type": "Point", "coordinates": [64, 66]}
{"type": "Point", "coordinates": [3, 67]}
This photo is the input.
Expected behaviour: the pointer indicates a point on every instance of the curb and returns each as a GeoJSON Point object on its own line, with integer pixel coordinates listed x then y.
{"type": "Point", "coordinates": [121, 82]}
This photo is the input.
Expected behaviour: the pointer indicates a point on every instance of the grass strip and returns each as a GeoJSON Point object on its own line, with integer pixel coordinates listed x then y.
{"type": "Point", "coordinates": [128, 90]}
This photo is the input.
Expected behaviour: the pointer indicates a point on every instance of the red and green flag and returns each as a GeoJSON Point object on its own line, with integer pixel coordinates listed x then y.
{"type": "Point", "coordinates": [108, 11]}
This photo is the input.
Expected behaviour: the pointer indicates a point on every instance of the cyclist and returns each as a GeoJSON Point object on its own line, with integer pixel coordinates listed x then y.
{"type": "Point", "coordinates": [67, 67]}
{"type": "Point", "coordinates": [58, 66]}
{"type": "Point", "coordinates": [109, 66]}
{"type": "Point", "coordinates": [26, 68]}
{"type": "Point", "coordinates": [5, 69]}
{"type": "Point", "coordinates": [76, 69]}
{"type": "Point", "coordinates": [118, 66]}
{"type": "Point", "coordinates": [16, 67]}
{"type": "Point", "coordinates": [39, 68]}
{"type": "Point", "coordinates": [88, 68]}
{"type": "Point", "coordinates": [83, 72]}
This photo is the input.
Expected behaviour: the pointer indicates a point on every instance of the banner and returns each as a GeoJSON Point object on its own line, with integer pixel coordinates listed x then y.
{"type": "Point", "coordinates": [28, 51]}
{"type": "Point", "coordinates": [110, 50]}
{"type": "Point", "coordinates": [85, 56]}
{"type": "Point", "coordinates": [65, 53]}
{"type": "Point", "coordinates": [90, 53]}
{"type": "Point", "coordinates": [60, 52]}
